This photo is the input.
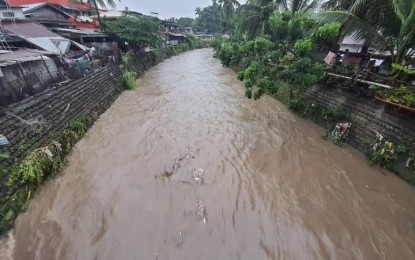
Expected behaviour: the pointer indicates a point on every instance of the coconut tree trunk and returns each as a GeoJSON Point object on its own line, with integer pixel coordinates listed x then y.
{"type": "Point", "coordinates": [92, 4]}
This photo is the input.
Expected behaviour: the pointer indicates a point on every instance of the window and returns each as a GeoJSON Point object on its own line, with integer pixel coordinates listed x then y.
{"type": "Point", "coordinates": [8, 14]}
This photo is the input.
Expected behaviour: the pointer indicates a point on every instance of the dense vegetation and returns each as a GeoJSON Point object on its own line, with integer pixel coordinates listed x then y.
{"type": "Point", "coordinates": [278, 54]}
{"type": "Point", "coordinates": [136, 31]}
{"type": "Point", "coordinates": [277, 47]}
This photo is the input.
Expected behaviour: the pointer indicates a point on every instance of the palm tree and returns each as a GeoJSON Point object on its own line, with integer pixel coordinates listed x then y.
{"type": "Point", "coordinates": [386, 25]}
{"type": "Point", "coordinates": [295, 6]}
{"type": "Point", "coordinates": [337, 4]}
{"type": "Point", "coordinates": [228, 12]}
{"type": "Point", "coordinates": [255, 15]}
{"type": "Point", "coordinates": [95, 3]}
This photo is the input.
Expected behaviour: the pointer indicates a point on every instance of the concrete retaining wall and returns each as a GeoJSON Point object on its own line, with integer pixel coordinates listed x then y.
{"type": "Point", "coordinates": [369, 117]}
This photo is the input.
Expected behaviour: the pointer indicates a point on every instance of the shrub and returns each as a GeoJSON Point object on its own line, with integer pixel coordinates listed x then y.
{"type": "Point", "coordinates": [327, 33]}
{"type": "Point", "coordinates": [225, 54]}
{"type": "Point", "coordinates": [129, 80]}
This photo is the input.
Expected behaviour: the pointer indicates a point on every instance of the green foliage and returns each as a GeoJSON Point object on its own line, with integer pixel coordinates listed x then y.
{"type": "Point", "coordinates": [153, 57]}
{"type": "Point", "coordinates": [216, 43]}
{"type": "Point", "coordinates": [209, 19]}
{"type": "Point", "coordinates": [403, 69]}
{"type": "Point", "coordinates": [185, 22]}
{"type": "Point", "coordinates": [171, 51]}
{"type": "Point", "coordinates": [297, 104]}
{"type": "Point", "coordinates": [384, 25]}
{"type": "Point", "coordinates": [78, 127]}
{"type": "Point", "coordinates": [129, 79]}
{"type": "Point", "coordinates": [4, 156]}
{"type": "Point", "coordinates": [382, 153]}
{"type": "Point", "coordinates": [248, 93]}
{"type": "Point", "coordinates": [24, 179]}
{"type": "Point", "coordinates": [241, 75]}
{"type": "Point", "coordinates": [303, 47]}
{"type": "Point", "coordinates": [401, 149]}
{"type": "Point", "coordinates": [225, 54]}
{"type": "Point", "coordinates": [327, 33]}
{"type": "Point", "coordinates": [335, 114]}
{"type": "Point", "coordinates": [402, 95]}
{"type": "Point", "coordinates": [137, 31]}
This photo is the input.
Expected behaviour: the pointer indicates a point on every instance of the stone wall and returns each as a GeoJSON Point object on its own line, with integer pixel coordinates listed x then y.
{"type": "Point", "coordinates": [368, 117]}
{"type": "Point", "coordinates": [18, 81]}
{"type": "Point", "coordinates": [34, 121]}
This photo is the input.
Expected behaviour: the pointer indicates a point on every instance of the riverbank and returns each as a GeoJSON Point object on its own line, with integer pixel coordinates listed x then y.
{"type": "Point", "coordinates": [386, 135]}
{"type": "Point", "coordinates": [42, 130]}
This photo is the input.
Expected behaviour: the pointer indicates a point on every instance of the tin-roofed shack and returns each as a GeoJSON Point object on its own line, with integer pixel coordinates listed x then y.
{"type": "Point", "coordinates": [24, 73]}
{"type": "Point", "coordinates": [104, 48]}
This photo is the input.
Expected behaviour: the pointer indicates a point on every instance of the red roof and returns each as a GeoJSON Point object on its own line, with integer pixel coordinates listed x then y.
{"type": "Point", "coordinates": [69, 3]}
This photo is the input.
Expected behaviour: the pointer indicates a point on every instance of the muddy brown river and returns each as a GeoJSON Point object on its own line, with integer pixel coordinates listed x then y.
{"type": "Point", "coordinates": [185, 167]}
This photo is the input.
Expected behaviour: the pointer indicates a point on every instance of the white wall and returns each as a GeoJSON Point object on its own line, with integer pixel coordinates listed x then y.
{"type": "Point", "coordinates": [17, 13]}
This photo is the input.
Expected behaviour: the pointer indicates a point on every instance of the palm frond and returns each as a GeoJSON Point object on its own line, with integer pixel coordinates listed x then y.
{"type": "Point", "coordinates": [354, 26]}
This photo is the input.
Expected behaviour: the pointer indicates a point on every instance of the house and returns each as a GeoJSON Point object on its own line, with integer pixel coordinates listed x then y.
{"type": "Point", "coordinates": [7, 12]}
{"type": "Point", "coordinates": [104, 46]}
{"type": "Point", "coordinates": [114, 14]}
{"type": "Point", "coordinates": [25, 72]}
{"type": "Point", "coordinates": [79, 12]}
{"type": "Point", "coordinates": [170, 26]}
{"type": "Point", "coordinates": [47, 15]}
{"type": "Point", "coordinates": [205, 37]}
{"type": "Point", "coordinates": [351, 44]}
{"type": "Point", "coordinates": [174, 38]}
{"type": "Point", "coordinates": [21, 32]}
{"type": "Point", "coordinates": [189, 30]}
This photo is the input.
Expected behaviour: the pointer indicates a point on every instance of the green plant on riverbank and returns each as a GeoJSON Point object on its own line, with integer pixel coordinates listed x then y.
{"type": "Point", "coordinates": [285, 56]}
{"type": "Point", "coordinates": [402, 95]}
{"type": "Point", "coordinates": [129, 80]}
{"type": "Point", "coordinates": [24, 179]}
{"type": "Point", "coordinates": [129, 77]}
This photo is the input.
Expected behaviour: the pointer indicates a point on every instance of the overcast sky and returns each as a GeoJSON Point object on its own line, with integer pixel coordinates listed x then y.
{"type": "Point", "coordinates": [165, 8]}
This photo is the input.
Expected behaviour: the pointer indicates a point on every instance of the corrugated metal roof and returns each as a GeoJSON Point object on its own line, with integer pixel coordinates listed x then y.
{"type": "Point", "coordinates": [27, 28]}
{"type": "Point", "coordinates": [29, 7]}
{"type": "Point", "coordinates": [81, 32]}
{"type": "Point", "coordinates": [177, 34]}
{"type": "Point", "coordinates": [23, 55]}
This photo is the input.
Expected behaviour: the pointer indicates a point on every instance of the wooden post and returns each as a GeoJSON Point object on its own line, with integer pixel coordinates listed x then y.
{"type": "Point", "coordinates": [47, 68]}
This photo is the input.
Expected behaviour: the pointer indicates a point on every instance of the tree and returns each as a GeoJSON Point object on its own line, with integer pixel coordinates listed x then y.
{"type": "Point", "coordinates": [255, 15]}
{"type": "Point", "coordinates": [228, 12]}
{"type": "Point", "coordinates": [297, 5]}
{"type": "Point", "coordinates": [209, 18]}
{"type": "Point", "coordinates": [95, 3]}
{"type": "Point", "coordinates": [337, 4]}
{"type": "Point", "coordinates": [185, 22]}
{"type": "Point", "coordinates": [137, 31]}
{"type": "Point", "coordinates": [385, 25]}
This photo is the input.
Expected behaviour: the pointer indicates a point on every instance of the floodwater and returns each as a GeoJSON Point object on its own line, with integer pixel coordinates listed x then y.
{"type": "Point", "coordinates": [185, 167]}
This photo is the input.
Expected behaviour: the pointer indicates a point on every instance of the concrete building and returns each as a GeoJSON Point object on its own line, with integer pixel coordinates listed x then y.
{"type": "Point", "coordinates": [79, 12]}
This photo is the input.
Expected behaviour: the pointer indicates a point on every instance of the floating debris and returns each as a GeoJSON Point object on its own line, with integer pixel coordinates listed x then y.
{"type": "Point", "coordinates": [166, 175]}
{"type": "Point", "coordinates": [201, 211]}
{"type": "Point", "coordinates": [184, 159]}
{"type": "Point", "coordinates": [340, 133]}
{"type": "Point", "coordinates": [198, 176]}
